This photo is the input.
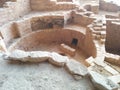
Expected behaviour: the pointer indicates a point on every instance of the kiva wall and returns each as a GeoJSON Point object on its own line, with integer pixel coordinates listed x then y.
{"type": "Point", "coordinates": [51, 5]}
{"type": "Point", "coordinates": [45, 22]}
{"type": "Point", "coordinates": [59, 36]}
{"type": "Point", "coordinates": [22, 27]}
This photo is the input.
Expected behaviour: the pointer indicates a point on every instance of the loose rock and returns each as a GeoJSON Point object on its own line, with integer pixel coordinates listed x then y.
{"type": "Point", "coordinates": [76, 68]}
{"type": "Point", "coordinates": [101, 82]}
{"type": "Point", "coordinates": [57, 59]}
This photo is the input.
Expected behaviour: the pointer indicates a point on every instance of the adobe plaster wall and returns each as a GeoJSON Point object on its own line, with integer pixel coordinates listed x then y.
{"type": "Point", "coordinates": [85, 42]}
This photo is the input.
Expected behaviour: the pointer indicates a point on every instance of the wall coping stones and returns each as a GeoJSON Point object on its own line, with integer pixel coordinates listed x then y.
{"type": "Point", "coordinates": [58, 60]}
{"type": "Point", "coordinates": [74, 67]}
{"type": "Point", "coordinates": [28, 56]}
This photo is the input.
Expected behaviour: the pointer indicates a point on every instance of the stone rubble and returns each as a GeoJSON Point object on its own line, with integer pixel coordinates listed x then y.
{"type": "Point", "coordinates": [101, 82]}
{"type": "Point", "coordinates": [115, 79]}
{"type": "Point", "coordinates": [57, 59]}
{"type": "Point", "coordinates": [76, 68]}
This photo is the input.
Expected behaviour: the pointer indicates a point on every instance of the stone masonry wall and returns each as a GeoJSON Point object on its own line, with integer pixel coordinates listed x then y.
{"type": "Point", "coordinates": [89, 45]}
{"type": "Point", "coordinates": [50, 36]}
{"type": "Point", "coordinates": [113, 36]}
{"type": "Point", "coordinates": [82, 18]}
{"type": "Point", "coordinates": [23, 27]}
{"type": "Point", "coordinates": [51, 5]}
{"type": "Point", "coordinates": [45, 22]}
{"type": "Point", "coordinates": [107, 6]}
{"type": "Point", "coordinates": [14, 10]}
{"type": "Point", "coordinates": [15, 29]}
{"type": "Point", "coordinates": [9, 32]}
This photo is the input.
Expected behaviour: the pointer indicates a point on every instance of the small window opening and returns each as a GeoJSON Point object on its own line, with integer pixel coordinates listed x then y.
{"type": "Point", "coordinates": [74, 41]}
{"type": "Point", "coordinates": [50, 25]}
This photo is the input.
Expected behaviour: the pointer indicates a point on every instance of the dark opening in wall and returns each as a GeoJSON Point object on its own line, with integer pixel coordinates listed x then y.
{"type": "Point", "coordinates": [50, 25]}
{"type": "Point", "coordinates": [74, 41]}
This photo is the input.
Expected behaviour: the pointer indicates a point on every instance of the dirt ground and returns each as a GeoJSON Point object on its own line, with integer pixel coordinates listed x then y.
{"type": "Point", "coordinates": [38, 76]}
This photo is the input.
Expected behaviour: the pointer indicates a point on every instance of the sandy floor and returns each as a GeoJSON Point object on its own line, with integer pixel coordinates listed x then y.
{"type": "Point", "coordinates": [40, 76]}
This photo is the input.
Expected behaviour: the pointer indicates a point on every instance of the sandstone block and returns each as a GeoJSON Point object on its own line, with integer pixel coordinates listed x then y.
{"type": "Point", "coordinates": [76, 68]}
{"type": "Point", "coordinates": [89, 61]}
{"type": "Point", "coordinates": [67, 49]}
{"type": "Point", "coordinates": [57, 59]}
{"type": "Point", "coordinates": [36, 56]}
{"type": "Point", "coordinates": [102, 41]}
{"type": "Point", "coordinates": [18, 55]}
{"type": "Point", "coordinates": [101, 82]}
{"type": "Point", "coordinates": [113, 59]}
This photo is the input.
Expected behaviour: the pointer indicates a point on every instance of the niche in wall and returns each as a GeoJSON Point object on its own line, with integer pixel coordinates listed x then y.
{"type": "Point", "coordinates": [74, 41]}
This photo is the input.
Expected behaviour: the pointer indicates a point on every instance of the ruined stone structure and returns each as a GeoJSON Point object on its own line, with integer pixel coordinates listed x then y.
{"type": "Point", "coordinates": [113, 36]}
{"type": "Point", "coordinates": [109, 6]}
{"type": "Point", "coordinates": [81, 37]}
